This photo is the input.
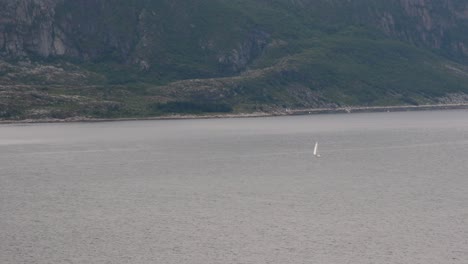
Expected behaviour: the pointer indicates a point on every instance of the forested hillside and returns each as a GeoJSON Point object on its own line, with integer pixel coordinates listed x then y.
{"type": "Point", "coordinates": [120, 58]}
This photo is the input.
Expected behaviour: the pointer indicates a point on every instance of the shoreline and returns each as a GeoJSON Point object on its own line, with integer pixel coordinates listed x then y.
{"type": "Point", "coordinates": [288, 112]}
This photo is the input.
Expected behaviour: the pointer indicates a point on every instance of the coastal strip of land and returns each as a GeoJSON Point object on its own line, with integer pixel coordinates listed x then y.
{"type": "Point", "coordinates": [279, 112]}
{"type": "Point", "coordinates": [364, 109]}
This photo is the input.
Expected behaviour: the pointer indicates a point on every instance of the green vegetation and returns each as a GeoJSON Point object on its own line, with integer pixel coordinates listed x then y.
{"type": "Point", "coordinates": [190, 108]}
{"type": "Point", "coordinates": [144, 58]}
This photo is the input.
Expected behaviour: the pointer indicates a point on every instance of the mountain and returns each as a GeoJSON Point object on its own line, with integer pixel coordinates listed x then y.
{"type": "Point", "coordinates": [117, 58]}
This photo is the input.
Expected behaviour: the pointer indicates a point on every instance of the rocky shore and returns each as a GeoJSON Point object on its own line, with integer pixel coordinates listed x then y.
{"type": "Point", "coordinates": [286, 112]}
{"type": "Point", "coordinates": [364, 109]}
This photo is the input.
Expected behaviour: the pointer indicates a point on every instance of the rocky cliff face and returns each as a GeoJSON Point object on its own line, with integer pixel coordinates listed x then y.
{"type": "Point", "coordinates": [441, 24]}
{"type": "Point", "coordinates": [30, 28]}
{"type": "Point", "coordinates": [50, 28]}
{"type": "Point", "coordinates": [139, 32]}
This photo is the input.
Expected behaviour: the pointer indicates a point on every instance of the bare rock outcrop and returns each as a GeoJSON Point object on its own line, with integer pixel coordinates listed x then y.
{"type": "Point", "coordinates": [29, 27]}
{"type": "Point", "coordinates": [434, 24]}
{"type": "Point", "coordinates": [137, 32]}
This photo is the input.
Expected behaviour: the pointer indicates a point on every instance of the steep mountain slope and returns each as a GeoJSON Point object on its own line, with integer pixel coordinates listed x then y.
{"type": "Point", "coordinates": [113, 58]}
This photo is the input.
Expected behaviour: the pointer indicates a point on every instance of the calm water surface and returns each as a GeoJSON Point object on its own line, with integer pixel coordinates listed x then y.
{"type": "Point", "coordinates": [389, 188]}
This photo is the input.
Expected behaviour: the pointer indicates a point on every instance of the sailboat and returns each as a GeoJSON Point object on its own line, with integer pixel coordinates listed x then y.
{"type": "Point", "coordinates": [315, 150]}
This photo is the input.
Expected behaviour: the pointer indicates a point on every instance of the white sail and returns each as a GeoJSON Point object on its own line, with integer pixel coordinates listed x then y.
{"type": "Point", "coordinates": [315, 148]}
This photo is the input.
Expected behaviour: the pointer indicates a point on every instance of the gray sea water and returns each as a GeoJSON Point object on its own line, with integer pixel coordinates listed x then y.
{"type": "Point", "coordinates": [389, 188]}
